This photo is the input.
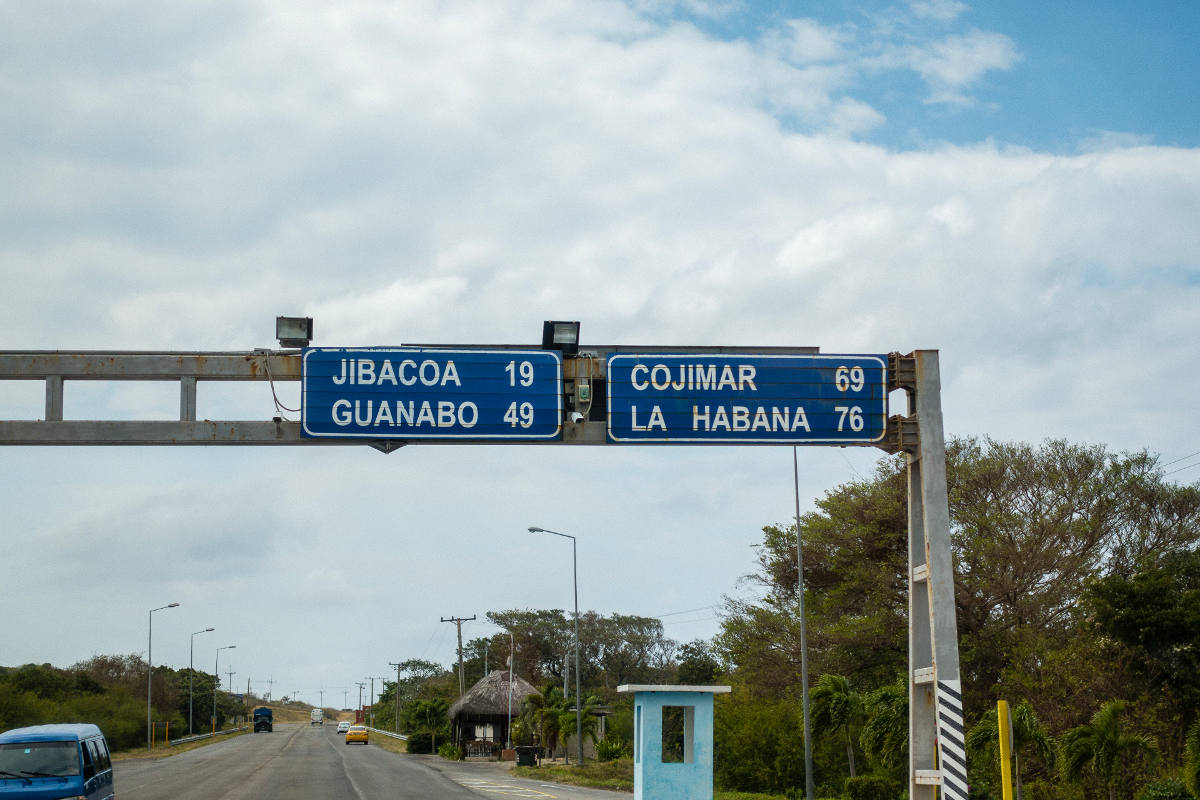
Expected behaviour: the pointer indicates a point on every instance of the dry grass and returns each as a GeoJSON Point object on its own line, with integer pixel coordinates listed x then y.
{"type": "Point", "coordinates": [163, 751]}
{"type": "Point", "coordinates": [616, 775]}
{"type": "Point", "coordinates": [387, 743]}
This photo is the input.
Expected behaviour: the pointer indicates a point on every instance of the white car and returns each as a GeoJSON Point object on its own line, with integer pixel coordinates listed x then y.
{"type": "Point", "coordinates": [343, 726]}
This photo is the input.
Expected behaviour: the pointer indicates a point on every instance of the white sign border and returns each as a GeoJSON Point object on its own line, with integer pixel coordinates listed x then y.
{"type": "Point", "coordinates": [558, 366]}
{"type": "Point", "coordinates": [882, 360]}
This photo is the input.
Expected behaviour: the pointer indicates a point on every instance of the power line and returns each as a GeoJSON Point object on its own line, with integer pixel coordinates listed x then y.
{"type": "Point", "coordinates": [690, 621]}
{"type": "Point", "coordinates": [1184, 458]}
{"type": "Point", "coordinates": [688, 611]}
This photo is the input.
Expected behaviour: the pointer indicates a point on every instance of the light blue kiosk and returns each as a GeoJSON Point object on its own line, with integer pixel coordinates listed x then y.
{"type": "Point", "coordinates": [663, 712]}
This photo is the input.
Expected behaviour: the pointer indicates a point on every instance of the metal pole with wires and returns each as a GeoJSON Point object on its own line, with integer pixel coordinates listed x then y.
{"type": "Point", "coordinates": [808, 761]}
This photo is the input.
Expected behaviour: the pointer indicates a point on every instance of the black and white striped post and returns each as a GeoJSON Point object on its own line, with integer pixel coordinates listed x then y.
{"type": "Point", "coordinates": [937, 756]}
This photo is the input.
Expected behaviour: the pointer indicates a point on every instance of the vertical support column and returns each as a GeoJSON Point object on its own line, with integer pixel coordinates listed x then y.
{"type": "Point", "coordinates": [927, 473]}
{"type": "Point", "coordinates": [54, 398]}
{"type": "Point", "coordinates": [187, 399]}
{"type": "Point", "coordinates": [922, 710]}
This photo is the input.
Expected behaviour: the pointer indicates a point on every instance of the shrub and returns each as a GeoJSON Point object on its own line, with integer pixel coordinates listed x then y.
{"type": "Point", "coordinates": [420, 743]}
{"type": "Point", "coordinates": [450, 752]}
{"type": "Point", "coordinates": [870, 787]}
{"type": "Point", "coordinates": [1170, 789]}
{"type": "Point", "coordinates": [612, 748]}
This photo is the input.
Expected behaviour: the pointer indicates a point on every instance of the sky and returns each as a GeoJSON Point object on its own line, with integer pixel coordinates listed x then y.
{"type": "Point", "coordinates": [1016, 185]}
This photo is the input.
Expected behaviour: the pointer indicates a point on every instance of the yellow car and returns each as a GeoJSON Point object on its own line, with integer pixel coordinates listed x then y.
{"type": "Point", "coordinates": [357, 733]}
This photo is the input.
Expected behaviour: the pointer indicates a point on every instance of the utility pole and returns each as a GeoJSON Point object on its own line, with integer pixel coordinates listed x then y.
{"type": "Point", "coordinates": [230, 673]}
{"type": "Point", "coordinates": [360, 686]}
{"type": "Point", "coordinates": [512, 651]}
{"type": "Point", "coordinates": [462, 680]}
{"type": "Point", "coordinates": [396, 691]}
{"type": "Point", "coordinates": [321, 692]}
{"type": "Point", "coordinates": [270, 686]}
{"type": "Point", "coordinates": [372, 679]}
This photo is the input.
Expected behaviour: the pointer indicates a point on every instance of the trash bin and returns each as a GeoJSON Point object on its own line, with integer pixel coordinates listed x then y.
{"type": "Point", "coordinates": [526, 756]}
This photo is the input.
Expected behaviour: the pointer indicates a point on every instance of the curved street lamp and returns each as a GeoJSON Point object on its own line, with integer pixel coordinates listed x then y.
{"type": "Point", "coordinates": [578, 700]}
{"type": "Point", "coordinates": [217, 685]}
{"type": "Point", "coordinates": [150, 672]}
{"type": "Point", "coordinates": [192, 673]}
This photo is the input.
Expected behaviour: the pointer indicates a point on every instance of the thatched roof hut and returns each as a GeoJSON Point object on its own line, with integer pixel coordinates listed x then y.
{"type": "Point", "coordinates": [482, 713]}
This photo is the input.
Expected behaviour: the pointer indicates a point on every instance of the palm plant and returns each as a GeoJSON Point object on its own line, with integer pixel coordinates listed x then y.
{"type": "Point", "coordinates": [551, 716]}
{"type": "Point", "coordinates": [1191, 767]}
{"type": "Point", "coordinates": [430, 717]}
{"type": "Point", "coordinates": [836, 707]}
{"type": "Point", "coordinates": [884, 736]}
{"type": "Point", "coordinates": [1027, 734]}
{"type": "Point", "coordinates": [1101, 748]}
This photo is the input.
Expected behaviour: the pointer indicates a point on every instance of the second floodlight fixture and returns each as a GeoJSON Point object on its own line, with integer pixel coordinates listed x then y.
{"type": "Point", "coordinates": [294, 331]}
{"type": "Point", "coordinates": [561, 335]}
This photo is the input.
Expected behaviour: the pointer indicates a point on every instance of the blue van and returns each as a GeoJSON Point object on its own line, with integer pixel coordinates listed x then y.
{"type": "Point", "coordinates": [55, 762]}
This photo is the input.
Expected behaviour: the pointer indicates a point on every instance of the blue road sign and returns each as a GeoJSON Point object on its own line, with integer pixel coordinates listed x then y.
{"type": "Point", "coordinates": [416, 393]}
{"type": "Point", "coordinates": [747, 399]}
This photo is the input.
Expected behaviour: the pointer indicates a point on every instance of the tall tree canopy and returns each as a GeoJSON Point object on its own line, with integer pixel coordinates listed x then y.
{"type": "Point", "coordinates": [1030, 527]}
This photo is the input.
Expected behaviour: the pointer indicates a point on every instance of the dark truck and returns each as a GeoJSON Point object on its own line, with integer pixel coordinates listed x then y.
{"type": "Point", "coordinates": [263, 720]}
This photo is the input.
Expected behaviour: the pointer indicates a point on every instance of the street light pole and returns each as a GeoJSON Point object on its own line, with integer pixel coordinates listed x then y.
{"type": "Point", "coordinates": [192, 673]}
{"type": "Point", "coordinates": [217, 685]}
{"type": "Point", "coordinates": [396, 719]}
{"type": "Point", "coordinates": [150, 672]}
{"type": "Point", "coordinates": [578, 699]}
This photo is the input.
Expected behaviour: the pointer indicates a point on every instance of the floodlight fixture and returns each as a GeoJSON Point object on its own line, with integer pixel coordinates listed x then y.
{"type": "Point", "coordinates": [294, 331]}
{"type": "Point", "coordinates": [561, 335]}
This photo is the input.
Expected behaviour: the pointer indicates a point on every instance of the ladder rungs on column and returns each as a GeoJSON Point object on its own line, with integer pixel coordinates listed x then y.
{"type": "Point", "coordinates": [923, 675]}
{"type": "Point", "coordinates": [928, 777]}
{"type": "Point", "coordinates": [920, 573]}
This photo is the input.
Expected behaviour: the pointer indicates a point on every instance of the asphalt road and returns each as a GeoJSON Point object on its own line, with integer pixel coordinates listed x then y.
{"type": "Point", "coordinates": [305, 762]}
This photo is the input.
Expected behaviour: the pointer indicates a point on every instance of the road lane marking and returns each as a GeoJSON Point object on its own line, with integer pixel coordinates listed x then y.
{"type": "Point", "coordinates": [507, 789]}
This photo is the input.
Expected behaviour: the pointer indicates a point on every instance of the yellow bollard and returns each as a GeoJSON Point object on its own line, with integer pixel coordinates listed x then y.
{"type": "Point", "coordinates": [1004, 723]}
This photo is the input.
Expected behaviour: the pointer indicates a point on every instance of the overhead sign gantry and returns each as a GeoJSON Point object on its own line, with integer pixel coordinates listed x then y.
{"type": "Point", "coordinates": [560, 395]}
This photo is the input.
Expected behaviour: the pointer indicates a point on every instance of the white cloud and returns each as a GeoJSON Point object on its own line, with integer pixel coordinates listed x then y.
{"type": "Point", "coordinates": [939, 10]}
{"type": "Point", "coordinates": [809, 41]}
{"type": "Point", "coordinates": [418, 172]}
{"type": "Point", "coordinates": [955, 63]}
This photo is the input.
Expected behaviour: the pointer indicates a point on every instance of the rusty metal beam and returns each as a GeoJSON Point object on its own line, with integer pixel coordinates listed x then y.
{"type": "Point", "coordinates": [259, 365]}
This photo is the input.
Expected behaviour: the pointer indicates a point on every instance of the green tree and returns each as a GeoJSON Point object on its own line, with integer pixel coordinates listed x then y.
{"type": "Point", "coordinates": [1191, 766]}
{"type": "Point", "coordinates": [884, 736]}
{"type": "Point", "coordinates": [550, 716]}
{"type": "Point", "coordinates": [542, 639]}
{"type": "Point", "coordinates": [419, 680]}
{"type": "Point", "coordinates": [1101, 748]}
{"type": "Point", "coordinates": [836, 708]}
{"type": "Point", "coordinates": [624, 648]}
{"type": "Point", "coordinates": [757, 745]}
{"type": "Point", "coordinates": [534, 721]}
{"type": "Point", "coordinates": [1155, 613]}
{"type": "Point", "coordinates": [1028, 736]}
{"type": "Point", "coordinates": [429, 716]}
{"type": "Point", "coordinates": [1030, 527]}
{"type": "Point", "coordinates": [698, 665]}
